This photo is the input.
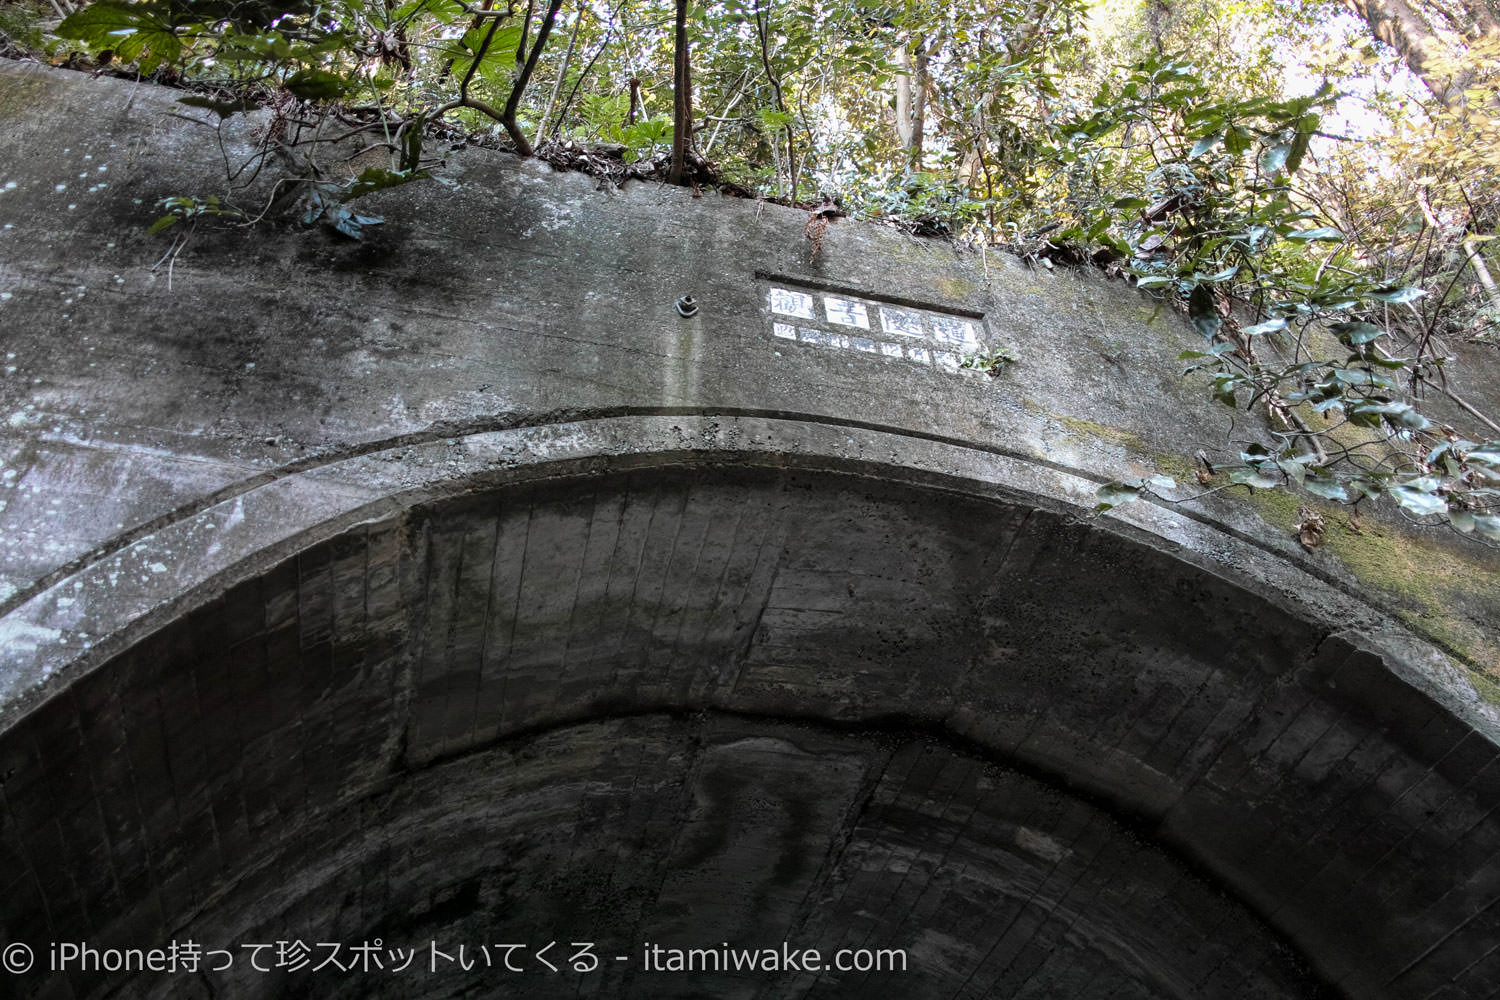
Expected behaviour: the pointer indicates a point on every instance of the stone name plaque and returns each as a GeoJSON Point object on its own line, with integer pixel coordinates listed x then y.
{"type": "Point", "coordinates": [845, 321]}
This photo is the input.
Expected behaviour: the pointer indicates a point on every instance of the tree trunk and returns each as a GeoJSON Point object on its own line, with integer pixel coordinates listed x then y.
{"type": "Point", "coordinates": [1485, 14]}
{"type": "Point", "coordinates": [903, 98]}
{"type": "Point", "coordinates": [763, 29]}
{"type": "Point", "coordinates": [1421, 44]}
{"type": "Point", "coordinates": [912, 85]}
{"type": "Point", "coordinates": [541, 127]}
{"type": "Point", "coordinates": [682, 100]}
{"type": "Point", "coordinates": [919, 109]}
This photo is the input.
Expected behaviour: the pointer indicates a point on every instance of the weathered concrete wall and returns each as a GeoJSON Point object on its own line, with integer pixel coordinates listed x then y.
{"type": "Point", "coordinates": [452, 587]}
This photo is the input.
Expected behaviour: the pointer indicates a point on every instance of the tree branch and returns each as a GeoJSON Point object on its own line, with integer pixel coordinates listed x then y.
{"type": "Point", "coordinates": [523, 77]}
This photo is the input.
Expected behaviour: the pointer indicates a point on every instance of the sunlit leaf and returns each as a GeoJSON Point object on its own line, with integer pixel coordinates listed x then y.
{"type": "Point", "coordinates": [1306, 126]}
{"type": "Point", "coordinates": [1397, 296]}
{"type": "Point", "coordinates": [1484, 456]}
{"type": "Point", "coordinates": [1418, 498]}
{"type": "Point", "coordinates": [1273, 160]}
{"type": "Point", "coordinates": [1113, 494]}
{"type": "Point", "coordinates": [1255, 477]}
{"type": "Point", "coordinates": [1204, 144]}
{"type": "Point", "coordinates": [1326, 487]}
{"type": "Point", "coordinates": [1323, 234]}
{"type": "Point", "coordinates": [1260, 329]}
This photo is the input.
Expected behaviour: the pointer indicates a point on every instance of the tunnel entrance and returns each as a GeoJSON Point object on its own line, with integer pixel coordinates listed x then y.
{"type": "Point", "coordinates": [707, 707]}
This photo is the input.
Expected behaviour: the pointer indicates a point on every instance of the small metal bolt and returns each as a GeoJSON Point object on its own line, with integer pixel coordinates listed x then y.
{"type": "Point", "coordinates": [687, 306]}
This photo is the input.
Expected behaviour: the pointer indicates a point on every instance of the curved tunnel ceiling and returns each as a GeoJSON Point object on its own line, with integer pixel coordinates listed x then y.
{"type": "Point", "coordinates": [697, 703]}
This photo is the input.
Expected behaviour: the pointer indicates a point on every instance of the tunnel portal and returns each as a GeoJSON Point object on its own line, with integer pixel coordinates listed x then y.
{"type": "Point", "coordinates": [374, 613]}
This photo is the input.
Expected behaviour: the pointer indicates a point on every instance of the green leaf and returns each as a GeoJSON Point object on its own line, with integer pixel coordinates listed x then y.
{"type": "Point", "coordinates": [352, 225]}
{"type": "Point", "coordinates": [1305, 129]}
{"type": "Point", "coordinates": [411, 144]}
{"type": "Point", "coordinates": [269, 46]}
{"type": "Point", "coordinates": [103, 24]}
{"type": "Point", "coordinates": [1326, 487]}
{"type": "Point", "coordinates": [132, 30]}
{"type": "Point", "coordinates": [1254, 477]}
{"type": "Point", "coordinates": [1487, 525]}
{"type": "Point", "coordinates": [1260, 329]}
{"type": "Point", "coordinates": [1224, 387]}
{"type": "Point", "coordinates": [318, 85]}
{"type": "Point", "coordinates": [772, 119]}
{"type": "Point", "coordinates": [224, 109]}
{"type": "Point", "coordinates": [1273, 160]}
{"type": "Point", "coordinates": [1359, 376]}
{"type": "Point", "coordinates": [498, 64]}
{"type": "Point", "coordinates": [442, 11]}
{"type": "Point", "coordinates": [1323, 234]}
{"type": "Point", "coordinates": [1417, 497]}
{"type": "Point", "coordinates": [1371, 413]}
{"type": "Point", "coordinates": [1330, 402]}
{"type": "Point", "coordinates": [1486, 456]}
{"type": "Point", "coordinates": [1215, 350]}
{"type": "Point", "coordinates": [1116, 493]}
{"type": "Point", "coordinates": [1397, 296]}
{"type": "Point", "coordinates": [1204, 144]}
{"type": "Point", "coordinates": [1356, 333]}
{"type": "Point", "coordinates": [373, 179]}
{"type": "Point", "coordinates": [1294, 470]}
{"type": "Point", "coordinates": [1299, 149]}
{"type": "Point", "coordinates": [1203, 311]}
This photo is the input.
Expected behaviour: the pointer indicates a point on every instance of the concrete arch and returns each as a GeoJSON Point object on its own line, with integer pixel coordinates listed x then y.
{"type": "Point", "coordinates": [453, 584]}
{"type": "Point", "coordinates": [546, 609]}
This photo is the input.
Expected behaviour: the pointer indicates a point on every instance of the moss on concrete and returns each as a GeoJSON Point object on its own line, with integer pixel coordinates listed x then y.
{"type": "Point", "coordinates": [20, 96]}
{"type": "Point", "coordinates": [1438, 589]}
{"type": "Point", "coordinates": [1151, 315]}
{"type": "Point", "coordinates": [1103, 432]}
{"type": "Point", "coordinates": [1181, 469]}
{"type": "Point", "coordinates": [957, 289]}
{"type": "Point", "coordinates": [1488, 689]}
